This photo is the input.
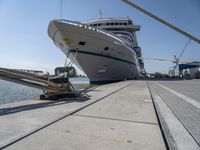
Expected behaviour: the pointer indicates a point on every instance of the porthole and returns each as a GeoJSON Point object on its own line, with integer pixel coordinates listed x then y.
{"type": "Point", "coordinates": [106, 48]}
{"type": "Point", "coordinates": [81, 43]}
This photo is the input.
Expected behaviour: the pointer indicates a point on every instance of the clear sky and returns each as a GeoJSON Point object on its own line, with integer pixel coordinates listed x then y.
{"type": "Point", "coordinates": [25, 43]}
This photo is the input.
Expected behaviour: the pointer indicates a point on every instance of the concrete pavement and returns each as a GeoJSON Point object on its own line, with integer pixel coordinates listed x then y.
{"type": "Point", "coordinates": [117, 116]}
{"type": "Point", "coordinates": [179, 105]}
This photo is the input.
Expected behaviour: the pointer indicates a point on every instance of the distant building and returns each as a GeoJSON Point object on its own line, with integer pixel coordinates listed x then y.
{"type": "Point", "coordinates": [174, 72]}
{"type": "Point", "coordinates": [31, 71]}
{"type": "Point", "coordinates": [189, 70]}
{"type": "Point", "coordinates": [192, 73]}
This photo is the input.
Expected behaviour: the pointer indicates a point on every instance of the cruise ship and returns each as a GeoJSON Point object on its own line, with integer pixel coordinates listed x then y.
{"type": "Point", "coordinates": [106, 49]}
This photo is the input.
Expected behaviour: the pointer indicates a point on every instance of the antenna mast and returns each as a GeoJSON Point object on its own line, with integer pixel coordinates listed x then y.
{"type": "Point", "coordinates": [60, 9]}
{"type": "Point", "coordinates": [100, 13]}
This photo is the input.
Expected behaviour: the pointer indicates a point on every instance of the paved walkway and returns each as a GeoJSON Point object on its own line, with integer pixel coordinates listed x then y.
{"type": "Point", "coordinates": [182, 100]}
{"type": "Point", "coordinates": [117, 116]}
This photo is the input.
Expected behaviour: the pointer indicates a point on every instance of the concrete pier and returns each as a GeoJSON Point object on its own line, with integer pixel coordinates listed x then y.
{"type": "Point", "coordinates": [153, 115]}
{"type": "Point", "coordinates": [178, 103]}
{"type": "Point", "coordinates": [117, 116]}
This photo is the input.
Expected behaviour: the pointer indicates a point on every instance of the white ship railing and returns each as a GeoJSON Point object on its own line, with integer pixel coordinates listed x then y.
{"type": "Point", "coordinates": [79, 24]}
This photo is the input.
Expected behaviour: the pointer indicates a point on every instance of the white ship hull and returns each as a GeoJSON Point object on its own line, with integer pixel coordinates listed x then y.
{"type": "Point", "coordinates": [102, 56]}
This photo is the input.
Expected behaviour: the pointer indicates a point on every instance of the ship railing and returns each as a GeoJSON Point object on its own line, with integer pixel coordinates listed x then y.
{"type": "Point", "coordinates": [113, 18]}
{"type": "Point", "coordinates": [79, 24]}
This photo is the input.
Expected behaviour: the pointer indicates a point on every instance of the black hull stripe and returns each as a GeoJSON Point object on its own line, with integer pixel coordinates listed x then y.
{"type": "Point", "coordinates": [104, 82]}
{"type": "Point", "coordinates": [101, 55]}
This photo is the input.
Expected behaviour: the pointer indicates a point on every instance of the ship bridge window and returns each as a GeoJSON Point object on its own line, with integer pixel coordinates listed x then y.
{"type": "Point", "coordinates": [114, 29]}
{"type": "Point", "coordinates": [112, 23]}
{"type": "Point", "coordinates": [107, 24]}
{"type": "Point", "coordinates": [125, 23]}
{"type": "Point", "coordinates": [120, 23]}
{"type": "Point", "coordinates": [116, 23]}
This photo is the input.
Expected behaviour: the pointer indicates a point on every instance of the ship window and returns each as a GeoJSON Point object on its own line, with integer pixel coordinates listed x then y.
{"type": "Point", "coordinates": [120, 23]}
{"type": "Point", "coordinates": [128, 39]}
{"type": "Point", "coordinates": [61, 44]}
{"type": "Point", "coordinates": [112, 23]}
{"type": "Point", "coordinates": [125, 23]}
{"type": "Point", "coordinates": [95, 24]}
{"type": "Point", "coordinates": [116, 23]}
{"type": "Point", "coordinates": [107, 23]}
{"type": "Point", "coordinates": [129, 22]}
{"type": "Point", "coordinates": [106, 48]}
{"type": "Point", "coordinates": [81, 43]}
{"type": "Point", "coordinates": [99, 24]}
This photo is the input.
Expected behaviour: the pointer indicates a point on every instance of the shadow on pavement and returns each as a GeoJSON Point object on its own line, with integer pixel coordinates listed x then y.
{"type": "Point", "coordinates": [11, 110]}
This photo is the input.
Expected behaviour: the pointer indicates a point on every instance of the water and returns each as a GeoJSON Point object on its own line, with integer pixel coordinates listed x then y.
{"type": "Point", "coordinates": [10, 92]}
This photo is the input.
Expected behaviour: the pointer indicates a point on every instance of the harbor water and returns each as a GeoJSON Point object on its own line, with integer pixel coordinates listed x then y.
{"type": "Point", "coordinates": [10, 92]}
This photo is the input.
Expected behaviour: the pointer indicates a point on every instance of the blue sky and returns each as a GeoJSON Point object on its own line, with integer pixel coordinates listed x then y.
{"type": "Point", "coordinates": [25, 43]}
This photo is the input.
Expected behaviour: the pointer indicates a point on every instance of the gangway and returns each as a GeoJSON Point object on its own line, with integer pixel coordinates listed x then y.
{"type": "Point", "coordinates": [52, 87]}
